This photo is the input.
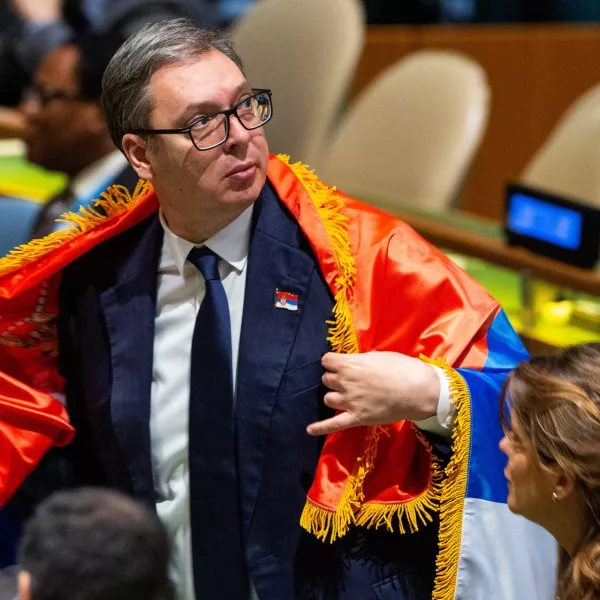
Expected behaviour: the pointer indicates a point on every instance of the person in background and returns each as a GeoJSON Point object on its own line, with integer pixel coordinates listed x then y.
{"type": "Point", "coordinates": [93, 544]}
{"type": "Point", "coordinates": [43, 26]}
{"type": "Point", "coordinates": [65, 127]}
{"type": "Point", "coordinates": [551, 413]}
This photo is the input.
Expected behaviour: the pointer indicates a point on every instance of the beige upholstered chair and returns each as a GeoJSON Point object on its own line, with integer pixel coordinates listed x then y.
{"type": "Point", "coordinates": [305, 51]}
{"type": "Point", "coordinates": [569, 161]}
{"type": "Point", "coordinates": [410, 136]}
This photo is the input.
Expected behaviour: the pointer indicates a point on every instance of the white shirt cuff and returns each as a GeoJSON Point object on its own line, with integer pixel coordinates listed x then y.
{"type": "Point", "coordinates": [443, 422]}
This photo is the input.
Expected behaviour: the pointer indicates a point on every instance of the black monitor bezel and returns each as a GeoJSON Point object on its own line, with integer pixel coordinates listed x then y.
{"type": "Point", "coordinates": [585, 256]}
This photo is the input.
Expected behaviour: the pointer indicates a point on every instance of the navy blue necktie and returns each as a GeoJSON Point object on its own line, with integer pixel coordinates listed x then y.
{"type": "Point", "coordinates": [219, 566]}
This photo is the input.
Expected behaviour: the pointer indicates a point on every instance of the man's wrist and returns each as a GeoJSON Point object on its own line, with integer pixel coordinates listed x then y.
{"type": "Point", "coordinates": [441, 422]}
{"type": "Point", "coordinates": [430, 394]}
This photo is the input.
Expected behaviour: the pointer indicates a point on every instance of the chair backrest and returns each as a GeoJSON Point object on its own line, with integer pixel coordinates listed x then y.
{"type": "Point", "coordinates": [410, 136]}
{"type": "Point", "coordinates": [17, 217]}
{"type": "Point", "coordinates": [568, 163]}
{"type": "Point", "coordinates": [306, 51]}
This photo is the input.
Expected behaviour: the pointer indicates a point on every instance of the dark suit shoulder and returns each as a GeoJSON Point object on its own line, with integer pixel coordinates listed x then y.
{"type": "Point", "coordinates": [118, 257]}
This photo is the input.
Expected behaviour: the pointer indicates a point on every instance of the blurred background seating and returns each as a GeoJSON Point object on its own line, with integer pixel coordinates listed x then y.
{"type": "Point", "coordinates": [308, 59]}
{"type": "Point", "coordinates": [535, 73]}
{"type": "Point", "coordinates": [569, 161]}
{"type": "Point", "coordinates": [410, 136]}
{"type": "Point", "coordinates": [17, 217]}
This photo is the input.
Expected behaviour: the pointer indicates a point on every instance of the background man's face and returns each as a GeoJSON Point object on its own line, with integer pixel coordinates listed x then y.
{"type": "Point", "coordinates": [231, 174]}
{"type": "Point", "coordinates": [60, 130]}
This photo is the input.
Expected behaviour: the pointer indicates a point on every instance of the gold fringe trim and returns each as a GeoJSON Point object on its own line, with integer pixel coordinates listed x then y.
{"type": "Point", "coordinates": [329, 205]}
{"type": "Point", "coordinates": [454, 488]}
{"type": "Point", "coordinates": [412, 513]}
{"type": "Point", "coordinates": [115, 201]}
{"type": "Point", "coordinates": [323, 523]}
{"type": "Point", "coordinates": [327, 525]}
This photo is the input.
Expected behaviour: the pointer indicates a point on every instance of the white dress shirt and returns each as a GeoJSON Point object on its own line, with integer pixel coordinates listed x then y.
{"type": "Point", "coordinates": [180, 294]}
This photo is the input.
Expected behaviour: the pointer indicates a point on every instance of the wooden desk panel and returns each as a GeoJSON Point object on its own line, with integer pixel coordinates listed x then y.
{"type": "Point", "coordinates": [535, 73]}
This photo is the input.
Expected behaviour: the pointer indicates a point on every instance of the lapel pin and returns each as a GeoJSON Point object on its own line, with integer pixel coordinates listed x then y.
{"type": "Point", "coordinates": [286, 300]}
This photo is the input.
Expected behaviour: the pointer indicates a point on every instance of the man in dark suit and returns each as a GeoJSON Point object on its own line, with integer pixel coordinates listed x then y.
{"type": "Point", "coordinates": [65, 126]}
{"type": "Point", "coordinates": [194, 333]}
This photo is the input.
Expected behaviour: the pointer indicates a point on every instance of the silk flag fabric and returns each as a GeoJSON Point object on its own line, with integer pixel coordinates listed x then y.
{"type": "Point", "coordinates": [392, 291]}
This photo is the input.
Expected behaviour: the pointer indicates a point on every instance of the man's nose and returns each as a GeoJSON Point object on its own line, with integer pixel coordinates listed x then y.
{"type": "Point", "coordinates": [238, 134]}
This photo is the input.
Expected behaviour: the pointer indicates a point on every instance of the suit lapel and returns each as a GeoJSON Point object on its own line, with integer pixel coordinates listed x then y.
{"type": "Point", "coordinates": [129, 307]}
{"type": "Point", "coordinates": [275, 262]}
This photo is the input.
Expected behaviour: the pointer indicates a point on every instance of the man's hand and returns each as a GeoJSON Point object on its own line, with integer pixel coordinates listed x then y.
{"type": "Point", "coordinates": [37, 10]}
{"type": "Point", "coordinates": [376, 388]}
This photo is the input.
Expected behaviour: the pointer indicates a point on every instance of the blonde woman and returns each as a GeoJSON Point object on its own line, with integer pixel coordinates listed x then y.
{"type": "Point", "coordinates": [551, 418]}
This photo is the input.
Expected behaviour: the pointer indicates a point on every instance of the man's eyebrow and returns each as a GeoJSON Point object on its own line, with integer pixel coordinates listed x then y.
{"type": "Point", "coordinates": [210, 106]}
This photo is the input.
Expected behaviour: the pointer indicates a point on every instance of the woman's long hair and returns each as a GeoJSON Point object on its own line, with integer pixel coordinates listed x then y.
{"type": "Point", "coordinates": [556, 400]}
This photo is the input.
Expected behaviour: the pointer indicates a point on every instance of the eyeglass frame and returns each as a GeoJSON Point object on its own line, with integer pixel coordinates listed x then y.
{"type": "Point", "coordinates": [227, 113]}
{"type": "Point", "coordinates": [44, 95]}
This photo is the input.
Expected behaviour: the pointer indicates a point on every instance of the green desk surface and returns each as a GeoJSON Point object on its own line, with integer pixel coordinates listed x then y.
{"type": "Point", "coordinates": [25, 180]}
{"type": "Point", "coordinates": [505, 286]}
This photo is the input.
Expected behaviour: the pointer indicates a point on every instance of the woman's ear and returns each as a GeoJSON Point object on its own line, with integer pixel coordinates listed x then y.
{"type": "Point", "coordinates": [564, 486]}
{"type": "Point", "coordinates": [136, 151]}
{"type": "Point", "coordinates": [24, 583]}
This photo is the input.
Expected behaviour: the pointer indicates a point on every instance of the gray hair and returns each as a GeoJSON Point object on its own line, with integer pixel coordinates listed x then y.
{"type": "Point", "coordinates": [126, 96]}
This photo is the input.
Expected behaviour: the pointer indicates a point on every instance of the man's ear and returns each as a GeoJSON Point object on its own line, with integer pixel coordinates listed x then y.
{"type": "Point", "coordinates": [24, 582]}
{"type": "Point", "coordinates": [136, 150]}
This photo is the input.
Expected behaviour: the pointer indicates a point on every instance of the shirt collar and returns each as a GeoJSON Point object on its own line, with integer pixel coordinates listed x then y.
{"type": "Point", "coordinates": [231, 243]}
{"type": "Point", "coordinates": [94, 177]}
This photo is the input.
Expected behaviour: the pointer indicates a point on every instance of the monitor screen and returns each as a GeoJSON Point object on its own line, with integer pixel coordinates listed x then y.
{"type": "Point", "coordinates": [547, 222]}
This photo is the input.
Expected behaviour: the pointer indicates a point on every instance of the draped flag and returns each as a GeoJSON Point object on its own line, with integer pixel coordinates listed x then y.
{"type": "Point", "coordinates": [380, 476]}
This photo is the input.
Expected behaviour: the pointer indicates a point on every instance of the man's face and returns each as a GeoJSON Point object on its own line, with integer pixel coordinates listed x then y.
{"type": "Point", "coordinates": [61, 128]}
{"type": "Point", "coordinates": [227, 177]}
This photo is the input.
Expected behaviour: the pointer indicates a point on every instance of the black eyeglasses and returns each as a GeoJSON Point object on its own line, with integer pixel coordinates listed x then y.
{"type": "Point", "coordinates": [211, 131]}
{"type": "Point", "coordinates": [44, 95]}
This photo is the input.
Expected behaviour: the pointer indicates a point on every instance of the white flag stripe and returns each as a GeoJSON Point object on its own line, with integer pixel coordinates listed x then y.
{"type": "Point", "coordinates": [504, 556]}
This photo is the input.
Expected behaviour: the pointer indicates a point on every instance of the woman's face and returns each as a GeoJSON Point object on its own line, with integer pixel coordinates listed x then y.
{"type": "Point", "coordinates": [530, 486]}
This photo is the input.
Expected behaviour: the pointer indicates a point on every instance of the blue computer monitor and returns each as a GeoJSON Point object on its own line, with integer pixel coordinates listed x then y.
{"type": "Point", "coordinates": [552, 225]}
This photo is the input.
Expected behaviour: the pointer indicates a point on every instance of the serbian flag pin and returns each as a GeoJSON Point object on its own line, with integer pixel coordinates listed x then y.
{"type": "Point", "coordinates": [286, 300]}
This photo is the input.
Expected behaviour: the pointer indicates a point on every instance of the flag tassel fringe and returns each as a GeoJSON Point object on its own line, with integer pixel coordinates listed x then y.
{"type": "Point", "coordinates": [454, 488]}
{"type": "Point", "coordinates": [114, 201]}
